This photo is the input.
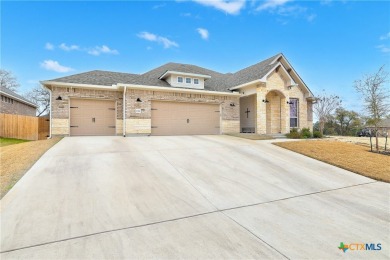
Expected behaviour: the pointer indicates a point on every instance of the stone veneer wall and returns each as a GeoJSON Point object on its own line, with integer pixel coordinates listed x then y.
{"type": "Point", "coordinates": [277, 83]}
{"type": "Point", "coordinates": [140, 123]}
{"type": "Point", "coordinates": [60, 108]}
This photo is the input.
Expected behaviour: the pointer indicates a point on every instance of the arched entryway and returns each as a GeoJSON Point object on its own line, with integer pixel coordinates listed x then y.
{"type": "Point", "coordinates": [275, 112]}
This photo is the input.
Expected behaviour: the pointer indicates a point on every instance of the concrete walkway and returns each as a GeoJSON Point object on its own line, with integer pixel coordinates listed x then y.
{"type": "Point", "coordinates": [190, 197]}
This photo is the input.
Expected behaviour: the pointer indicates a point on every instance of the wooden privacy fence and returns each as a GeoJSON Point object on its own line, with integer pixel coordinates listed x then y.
{"type": "Point", "coordinates": [24, 127]}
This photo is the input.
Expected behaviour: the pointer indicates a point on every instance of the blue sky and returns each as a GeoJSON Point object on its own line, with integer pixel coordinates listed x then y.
{"type": "Point", "coordinates": [329, 43]}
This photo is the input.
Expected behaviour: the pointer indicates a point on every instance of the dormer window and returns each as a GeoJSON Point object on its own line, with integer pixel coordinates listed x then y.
{"type": "Point", "coordinates": [184, 79]}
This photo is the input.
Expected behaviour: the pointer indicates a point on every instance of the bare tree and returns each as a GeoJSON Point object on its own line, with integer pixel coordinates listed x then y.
{"type": "Point", "coordinates": [376, 94]}
{"type": "Point", "coordinates": [324, 107]}
{"type": "Point", "coordinates": [41, 97]}
{"type": "Point", "coordinates": [8, 80]}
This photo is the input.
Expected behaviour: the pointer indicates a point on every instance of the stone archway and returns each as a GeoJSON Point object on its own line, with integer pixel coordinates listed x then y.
{"type": "Point", "coordinates": [275, 112]}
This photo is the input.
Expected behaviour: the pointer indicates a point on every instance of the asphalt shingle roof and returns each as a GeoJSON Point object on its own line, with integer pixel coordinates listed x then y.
{"type": "Point", "coordinates": [16, 96]}
{"type": "Point", "coordinates": [217, 82]}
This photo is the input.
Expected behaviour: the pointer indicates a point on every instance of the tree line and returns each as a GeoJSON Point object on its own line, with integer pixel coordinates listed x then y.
{"type": "Point", "coordinates": [37, 95]}
{"type": "Point", "coordinates": [333, 119]}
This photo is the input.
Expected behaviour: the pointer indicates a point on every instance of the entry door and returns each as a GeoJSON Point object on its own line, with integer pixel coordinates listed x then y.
{"type": "Point", "coordinates": [92, 117]}
{"type": "Point", "coordinates": [174, 118]}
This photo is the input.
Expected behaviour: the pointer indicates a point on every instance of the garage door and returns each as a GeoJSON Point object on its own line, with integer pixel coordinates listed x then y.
{"type": "Point", "coordinates": [172, 118]}
{"type": "Point", "coordinates": [92, 117]}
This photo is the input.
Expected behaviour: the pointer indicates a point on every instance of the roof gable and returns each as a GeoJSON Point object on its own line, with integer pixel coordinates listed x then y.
{"type": "Point", "coordinates": [217, 81]}
{"type": "Point", "coordinates": [12, 94]}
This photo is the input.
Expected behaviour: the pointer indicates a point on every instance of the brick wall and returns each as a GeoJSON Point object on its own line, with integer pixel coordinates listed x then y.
{"type": "Point", "coordinates": [138, 123]}
{"type": "Point", "coordinates": [60, 108]}
{"type": "Point", "coordinates": [229, 114]}
{"type": "Point", "coordinates": [12, 106]}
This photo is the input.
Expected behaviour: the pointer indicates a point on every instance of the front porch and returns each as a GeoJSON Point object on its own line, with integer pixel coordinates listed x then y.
{"type": "Point", "coordinates": [265, 114]}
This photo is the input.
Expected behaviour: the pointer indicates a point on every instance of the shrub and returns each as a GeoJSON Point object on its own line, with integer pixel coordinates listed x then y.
{"type": "Point", "coordinates": [294, 134]}
{"type": "Point", "coordinates": [305, 133]}
{"type": "Point", "coordinates": [317, 134]}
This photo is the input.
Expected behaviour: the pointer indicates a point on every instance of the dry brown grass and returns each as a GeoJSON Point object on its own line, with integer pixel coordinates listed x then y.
{"type": "Point", "coordinates": [16, 159]}
{"type": "Point", "coordinates": [355, 158]}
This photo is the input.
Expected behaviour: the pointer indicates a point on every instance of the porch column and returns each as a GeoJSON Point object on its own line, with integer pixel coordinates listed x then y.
{"type": "Point", "coordinates": [285, 115]}
{"type": "Point", "coordinates": [261, 108]}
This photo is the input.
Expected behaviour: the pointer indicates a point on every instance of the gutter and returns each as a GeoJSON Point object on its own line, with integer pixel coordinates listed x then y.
{"type": "Point", "coordinates": [124, 111]}
{"type": "Point", "coordinates": [173, 89]}
{"type": "Point", "coordinates": [247, 84]}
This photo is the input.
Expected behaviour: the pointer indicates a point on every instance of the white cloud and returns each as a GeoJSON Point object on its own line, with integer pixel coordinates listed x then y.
{"type": "Point", "coordinates": [148, 36]}
{"type": "Point", "coordinates": [227, 6]}
{"type": "Point", "coordinates": [282, 8]}
{"type": "Point", "coordinates": [383, 48]}
{"type": "Point", "coordinates": [385, 36]}
{"type": "Point", "coordinates": [49, 46]}
{"type": "Point", "coordinates": [102, 49]}
{"type": "Point", "coordinates": [186, 14]}
{"type": "Point", "coordinates": [159, 39]}
{"type": "Point", "coordinates": [271, 4]}
{"type": "Point", "coordinates": [65, 47]}
{"type": "Point", "coordinates": [204, 33]}
{"type": "Point", "coordinates": [326, 2]}
{"type": "Point", "coordinates": [158, 6]}
{"type": "Point", "coordinates": [55, 66]}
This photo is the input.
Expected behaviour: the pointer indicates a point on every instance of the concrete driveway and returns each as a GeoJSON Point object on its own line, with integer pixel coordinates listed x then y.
{"type": "Point", "coordinates": [190, 197]}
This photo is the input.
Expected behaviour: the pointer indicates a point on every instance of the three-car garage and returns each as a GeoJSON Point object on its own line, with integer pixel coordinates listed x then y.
{"type": "Point", "coordinates": [98, 117]}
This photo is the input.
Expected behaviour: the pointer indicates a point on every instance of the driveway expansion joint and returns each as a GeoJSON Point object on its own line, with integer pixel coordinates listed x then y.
{"type": "Point", "coordinates": [187, 217]}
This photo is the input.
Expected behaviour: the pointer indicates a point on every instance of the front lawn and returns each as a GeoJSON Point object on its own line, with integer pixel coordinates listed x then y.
{"type": "Point", "coordinates": [17, 159]}
{"type": "Point", "coordinates": [8, 141]}
{"type": "Point", "coordinates": [352, 157]}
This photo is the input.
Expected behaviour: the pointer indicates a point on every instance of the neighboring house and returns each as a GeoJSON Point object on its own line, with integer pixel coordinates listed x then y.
{"type": "Point", "coordinates": [12, 103]}
{"type": "Point", "coordinates": [176, 99]}
{"type": "Point", "coordinates": [383, 126]}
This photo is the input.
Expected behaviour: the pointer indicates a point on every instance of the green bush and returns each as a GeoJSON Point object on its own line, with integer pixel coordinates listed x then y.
{"type": "Point", "coordinates": [305, 133]}
{"type": "Point", "coordinates": [294, 134]}
{"type": "Point", "coordinates": [317, 134]}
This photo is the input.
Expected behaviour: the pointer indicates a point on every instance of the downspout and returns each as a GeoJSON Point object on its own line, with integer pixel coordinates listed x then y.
{"type": "Point", "coordinates": [124, 111]}
{"type": "Point", "coordinates": [51, 112]}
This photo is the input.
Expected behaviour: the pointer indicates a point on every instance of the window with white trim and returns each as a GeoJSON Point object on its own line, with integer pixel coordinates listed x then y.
{"type": "Point", "coordinates": [294, 112]}
{"type": "Point", "coordinates": [188, 80]}
{"type": "Point", "coordinates": [179, 79]}
{"type": "Point", "coordinates": [196, 81]}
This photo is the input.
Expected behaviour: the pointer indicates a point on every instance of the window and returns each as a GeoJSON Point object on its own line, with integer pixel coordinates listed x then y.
{"type": "Point", "coordinates": [196, 81]}
{"type": "Point", "coordinates": [12, 101]}
{"type": "Point", "coordinates": [2, 98]}
{"type": "Point", "coordinates": [188, 80]}
{"type": "Point", "coordinates": [294, 107]}
{"type": "Point", "coordinates": [179, 79]}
